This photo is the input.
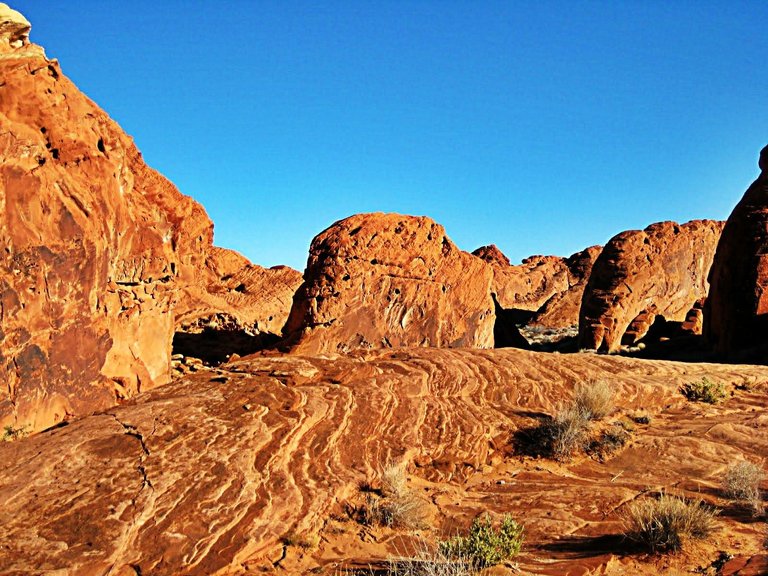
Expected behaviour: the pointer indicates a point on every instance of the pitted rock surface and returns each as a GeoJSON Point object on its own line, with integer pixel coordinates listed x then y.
{"type": "Point", "coordinates": [661, 270]}
{"type": "Point", "coordinates": [388, 280]}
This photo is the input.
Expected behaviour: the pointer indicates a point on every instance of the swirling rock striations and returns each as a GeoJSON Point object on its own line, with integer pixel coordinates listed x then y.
{"type": "Point", "coordinates": [206, 475]}
{"type": "Point", "coordinates": [736, 313]}
{"type": "Point", "coordinates": [387, 280]}
{"type": "Point", "coordinates": [640, 274]}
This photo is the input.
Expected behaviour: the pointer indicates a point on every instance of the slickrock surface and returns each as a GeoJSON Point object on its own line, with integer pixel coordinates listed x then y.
{"type": "Point", "coordinates": [93, 243]}
{"type": "Point", "coordinates": [206, 475]}
{"type": "Point", "coordinates": [551, 286]}
{"type": "Point", "coordinates": [736, 314]}
{"type": "Point", "coordinates": [661, 270]}
{"type": "Point", "coordinates": [233, 294]}
{"type": "Point", "coordinates": [388, 280]}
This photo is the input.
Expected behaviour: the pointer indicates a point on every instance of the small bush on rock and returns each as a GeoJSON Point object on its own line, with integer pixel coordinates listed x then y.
{"type": "Point", "coordinates": [664, 524]}
{"type": "Point", "coordinates": [742, 482]}
{"type": "Point", "coordinates": [704, 391]}
{"type": "Point", "coordinates": [486, 545]}
{"type": "Point", "coordinates": [595, 398]}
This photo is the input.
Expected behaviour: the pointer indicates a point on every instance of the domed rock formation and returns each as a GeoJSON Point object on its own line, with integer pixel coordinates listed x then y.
{"type": "Point", "coordinates": [381, 280]}
{"type": "Point", "coordinates": [94, 247]}
{"type": "Point", "coordinates": [736, 313]}
{"type": "Point", "coordinates": [661, 270]}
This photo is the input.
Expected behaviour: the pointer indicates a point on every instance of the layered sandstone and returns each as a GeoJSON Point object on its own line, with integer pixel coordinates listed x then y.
{"type": "Point", "coordinates": [641, 274]}
{"type": "Point", "coordinates": [549, 286]}
{"type": "Point", "coordinates": [736, 314]}
{"type": "Point", "coordinates": [94, 244]}
{"type": "Point", "coordinates": [211, 474]}
{"type": "Point", "coordinates": [231, 293]}
{"type": "Point", "coordinates": [387, 280]}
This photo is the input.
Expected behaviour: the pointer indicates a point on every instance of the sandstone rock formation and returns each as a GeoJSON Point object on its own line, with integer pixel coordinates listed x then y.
{"type": "Point", "coordinates": [562, 309]}
{"type": "Point", "coordinates": [207, 475]}
{"type": "Point", "coordinates": [230, 293]}
{"type": "Point", "coordinates": [640, 274]}
{"type": "Point", "coordinates": [549, 286]}
{"type": "Point", "coordinates": [736, 313]}
{"type": "Point", "coordinates": [94, 245]}
{"type": "Point", "coordinates": [387, 280]}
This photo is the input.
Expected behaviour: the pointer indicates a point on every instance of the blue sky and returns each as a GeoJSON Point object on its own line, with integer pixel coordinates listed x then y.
{"type": "Point", "coordinates": [543, 127]}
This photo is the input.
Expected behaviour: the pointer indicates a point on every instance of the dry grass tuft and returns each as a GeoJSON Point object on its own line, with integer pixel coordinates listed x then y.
{"type": "Point", "coordinates": [395, 504]}
{"type": "Point", "coordinates": [567, 432]}
{"type": "Point", "coordinates": [595, 398]}
{"type": "Point", "coordinates": [742, 482]}
{"type": "Point", "coordinates": [664, 524]}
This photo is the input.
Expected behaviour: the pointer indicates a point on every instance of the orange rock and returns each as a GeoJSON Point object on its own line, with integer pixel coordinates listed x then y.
{"type": "Point", "coordinates": [736, 313]}
{"type": "Point", "coordinates": [93, 244]}
{"type": "Point", "coordinates": [661, 270]}
{"type": "Point", "coordinates": [550, 286]}
{"type": "Point", "coordinates": [380, 280]}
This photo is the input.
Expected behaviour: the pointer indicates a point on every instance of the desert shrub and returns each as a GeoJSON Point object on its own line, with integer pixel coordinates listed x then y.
{"type": "Point", "coordinates": [595, 398]}
{"type": "Point", "coordinates": [306, 541]}
{"type": "Point", "coordinates": [609, 441]}
{"type": "Point", "coordinates": [741, 482]}
{"type": "Point", "coordinates": [664, 524]}
{"type": "Point", "coordinates": [567, 432]}
{"type": "Point", "coordinates": [10, 433]}
{"type": "Point", "coordinates": [486, 545]}
{"type": "Point", "coordinates": [427, 561]}
{"type": "Point", "coordinates": [395, 504]}
{"type": "Point", "coordinates": [704, 391]}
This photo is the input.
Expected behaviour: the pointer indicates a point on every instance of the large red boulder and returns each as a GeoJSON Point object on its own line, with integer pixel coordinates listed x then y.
{"type": "Point", "coordinates": [94, 245]}
{"type": "Point", "coordinates": [640, 274]}
{"type": "Point", "coordinates": [381, 280]}
{"type": "Point", "coordinates": [736, 313]}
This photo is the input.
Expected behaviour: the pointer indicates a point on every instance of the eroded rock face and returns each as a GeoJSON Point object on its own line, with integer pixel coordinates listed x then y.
{"type": "Point", "coordinates": [562, 309]}
{"type": "Point", "coordinates": [93, 244]}
{"type": "Point", "coordinates": [381, 280]}
{"type": "Point", "coordinates": [661, 270]}
{"type": "Point", "coordinates": [252, 297]}
{"type": "Point", "coordinates": [736, 313]}
{"type": "Point", "coordinates": [549, 286]}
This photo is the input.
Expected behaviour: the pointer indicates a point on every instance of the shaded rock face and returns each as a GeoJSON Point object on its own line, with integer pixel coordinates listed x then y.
{"type": "Point", "coordinates": [562, 309]}
{"type": "Point", "coordinates": [736, 313]}
{"type": "Point", "coordinates": [640, 274]}
{"type": "Point", "coordinates": [233, 307]}
{"type": "Point", "coordinates": [93, 244]}
{"type": "Point", "coordinates": [381, 280]}
{"type": "Point", "coordinates": [550, 287]}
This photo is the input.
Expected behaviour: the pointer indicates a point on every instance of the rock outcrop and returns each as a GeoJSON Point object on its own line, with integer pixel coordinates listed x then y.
{"type": "Point", "coordinates": [550, 287]}
{"type": "Point", "coordinates": [640, 274]}
{"type": "Point", "coordinates": [381, 280]}
{"type": "Point", "coordinates": [562, 309]}
{"type": "Point", "coordinates": [94, 245]}
{"type": "Point", "coordinates": [736, 313]}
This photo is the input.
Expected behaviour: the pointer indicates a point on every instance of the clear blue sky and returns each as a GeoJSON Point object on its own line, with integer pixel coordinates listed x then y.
{"type": "Point", "coordinates": [542, 127]}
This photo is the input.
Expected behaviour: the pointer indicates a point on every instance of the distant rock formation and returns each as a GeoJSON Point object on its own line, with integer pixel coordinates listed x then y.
{"type": "Point", "coordinates": [381, 280]}
{"type": "Point", "coordinates": [736, 313]}
{"type": "Point", "coordinates": [640, 274]}
{"type": "Point", "coordinates": [95, 247]}
{"type": "Point", "coordinates": [550, 287]}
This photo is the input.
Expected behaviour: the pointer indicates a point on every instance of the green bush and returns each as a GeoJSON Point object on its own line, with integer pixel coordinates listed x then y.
{"type": "Point", "coordinates": [485, 545]}
{"type": "Point", "coordinates": [10, 433]}
{"type": "Point", "coordinates": [704, 391]}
